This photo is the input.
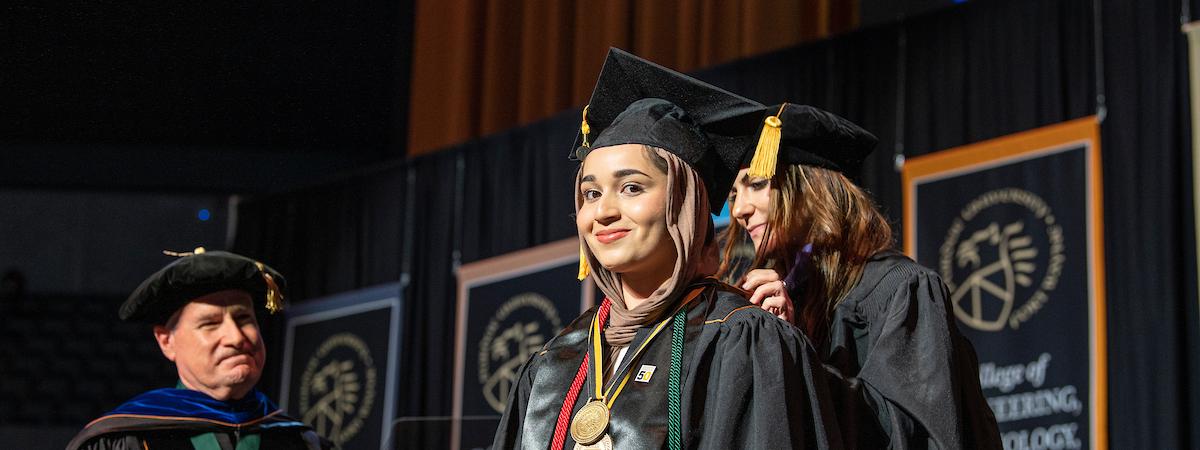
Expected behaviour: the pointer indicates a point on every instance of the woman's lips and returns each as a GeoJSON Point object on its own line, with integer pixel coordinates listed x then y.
{"type": "Point", "coordinates": [610, 236]}
{"type": "Point", "coordinates": [756, 230]}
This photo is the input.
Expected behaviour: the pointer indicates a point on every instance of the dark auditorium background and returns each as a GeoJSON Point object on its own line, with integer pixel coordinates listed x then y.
{"type": "Point", "coordinates": [360, 143]}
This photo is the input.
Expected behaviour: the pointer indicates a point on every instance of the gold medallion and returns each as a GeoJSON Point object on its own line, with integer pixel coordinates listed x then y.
{"type": "Point", "coordinates": [590, 423]}
{"type": "Point", "coordinates": [605, 443]}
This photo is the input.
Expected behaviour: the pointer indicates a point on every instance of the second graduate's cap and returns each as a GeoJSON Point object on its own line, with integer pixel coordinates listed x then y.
{"type": "Point", "coordinates": [636, 101]}
{"type": "Point", "coordinates": [802, 134]}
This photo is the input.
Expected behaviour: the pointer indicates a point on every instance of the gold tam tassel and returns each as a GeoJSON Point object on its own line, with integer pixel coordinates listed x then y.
{"type": "Point", "coordinates": [274, 297]}
{"type": "Point", "coordinates": [766, 153]}
{"type": "Point", "coordinates": [584, 270]}
{"type": "Point", "coordinates": [197, 251]}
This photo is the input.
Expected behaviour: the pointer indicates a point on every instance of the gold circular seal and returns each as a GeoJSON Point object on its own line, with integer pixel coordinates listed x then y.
{"type": "Point", "coordinates": [520, 327]}
{"type": "Point", "coordinates": [337, 388]}
{"type": "Point", "coordinates": [590, 422]}
{"type": "Point", "coordinates": [1002, 258]}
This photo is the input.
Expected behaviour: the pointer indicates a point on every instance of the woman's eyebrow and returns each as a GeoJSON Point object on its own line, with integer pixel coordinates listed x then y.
{"type": "Point", "coordinates": [618, 174]}
{"type": "Point", "coordinates": [627, 172]}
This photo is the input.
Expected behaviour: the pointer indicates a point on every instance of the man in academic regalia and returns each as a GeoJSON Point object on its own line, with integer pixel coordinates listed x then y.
{"type": "Point", "coordinates": [204, 309]}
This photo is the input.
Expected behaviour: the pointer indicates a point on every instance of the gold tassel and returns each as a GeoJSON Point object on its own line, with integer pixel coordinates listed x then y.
{"type": "Point", "coordinates": [766, 153]}
{"type": "Point", "coordinates": [584, 270]}
{"type": "Point", "coordinates": [585, 129]}
{"type": "Point", "coordinates": [197, 251]}
{"type": "Point", "coordinates": [274, 297]}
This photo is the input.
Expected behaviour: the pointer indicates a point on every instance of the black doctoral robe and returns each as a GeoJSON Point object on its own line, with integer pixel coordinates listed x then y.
{"type": "Point", "coordinates": [903, 375]}
{"type": "Point", "coordinates": [749, 380]}
{"type": "Point", "coordinates": [171, 418]}
{"type": "Point", "coordinates": [279, 432]}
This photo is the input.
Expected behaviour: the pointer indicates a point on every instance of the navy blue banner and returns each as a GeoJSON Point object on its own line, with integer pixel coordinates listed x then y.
{"type": "Point", "coordinates": [1012, 226]}
{"type": "Point", "coordinates": [509, 307]}
{"type": "Point", "coordinates": [341, 363]}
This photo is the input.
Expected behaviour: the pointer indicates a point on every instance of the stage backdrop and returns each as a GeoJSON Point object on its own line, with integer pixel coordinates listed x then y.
{"type": "Point", "coordinates": [1013, 225]}
{"type": "Point", "coordinates": [509, 306]}
{"type": "Point", "coordinates": [978, 71]}
{"type": "Point", "coordinates": [1192, 30]}
{"type": "Point", "coordinates": [341, 363]}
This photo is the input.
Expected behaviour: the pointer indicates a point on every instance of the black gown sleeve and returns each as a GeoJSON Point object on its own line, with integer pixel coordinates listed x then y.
{"type": "Point", "coordinates": [769, 391]}
{"type": "Point", "coordinates": [508, 433]}
{"type": "Point", "coordinates": [112, 442]}
{"type": "Point", "coordinates": [921, 376]}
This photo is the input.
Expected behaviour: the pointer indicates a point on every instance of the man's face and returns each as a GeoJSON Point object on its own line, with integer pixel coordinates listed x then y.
{"type": "Point", "coordinates": [215, 344]}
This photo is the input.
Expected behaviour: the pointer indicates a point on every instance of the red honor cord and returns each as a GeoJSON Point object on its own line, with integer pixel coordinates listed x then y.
{"type": "Point", "coordinates": [564, 415]}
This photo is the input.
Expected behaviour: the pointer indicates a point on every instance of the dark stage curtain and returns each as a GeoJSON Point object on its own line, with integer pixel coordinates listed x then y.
{"type": "Point", "coordinates": [416, 221]}
{"type": "Point", "coordinates": [969, 73]}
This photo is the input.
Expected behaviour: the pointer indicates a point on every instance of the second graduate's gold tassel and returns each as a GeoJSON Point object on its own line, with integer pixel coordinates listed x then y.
{"type": "Point", "coordinates": [584, 270]}
{"type": "Point", "coordinates": [766, 153]}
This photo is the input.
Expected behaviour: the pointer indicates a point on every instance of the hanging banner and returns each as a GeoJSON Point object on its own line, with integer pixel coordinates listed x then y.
{"type": "Point", "coordinates": [1193, 36]}
{"type": "Point", "coordinates": [340, 366]}
{"type": "Point", "coordinates": [1014, 227]}
{"type": "Point", "coordinates": [508, 308]}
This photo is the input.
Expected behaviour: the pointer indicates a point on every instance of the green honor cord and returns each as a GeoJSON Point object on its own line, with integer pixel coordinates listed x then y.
{"type": "Point", "coordinates": [674, 396]}
{"type": "Point", "coordinates": [208, 441]}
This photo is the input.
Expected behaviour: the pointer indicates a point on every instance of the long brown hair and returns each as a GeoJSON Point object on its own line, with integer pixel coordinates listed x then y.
{"type": "Point", "coordinates": [822, 207]}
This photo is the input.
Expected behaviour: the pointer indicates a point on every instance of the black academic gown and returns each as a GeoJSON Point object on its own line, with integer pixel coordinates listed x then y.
{"type": "Point", "coordinates": [905, 377]}
{"type": "Point", "coordinates": [135, 432]}
{"type": "Point", "coordinates": [740, 364]}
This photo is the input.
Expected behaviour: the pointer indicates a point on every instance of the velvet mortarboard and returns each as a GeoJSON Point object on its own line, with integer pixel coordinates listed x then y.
{"type": "Point", "coordinates": [811, 136]}
{"type": "Point", "coordinates": [638, 102]}
{"type": "Point", "coordinates": [198, 274]}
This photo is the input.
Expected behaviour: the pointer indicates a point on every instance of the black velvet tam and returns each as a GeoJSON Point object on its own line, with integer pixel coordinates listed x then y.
{"type": "Point", "coordinates": [191, 277]}
{"type": "Point", "coordinates": [638, 102]}
{"type": "Point", "coordinates": [815, 137]}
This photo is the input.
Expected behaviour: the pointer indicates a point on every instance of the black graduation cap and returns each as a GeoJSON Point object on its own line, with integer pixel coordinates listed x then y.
{"type": "Point", "coordinates": [802, 134]}
{"type": "Point", "coordinates": [636, 101]}
{"type": "Point", "coordinates": [197, 274]}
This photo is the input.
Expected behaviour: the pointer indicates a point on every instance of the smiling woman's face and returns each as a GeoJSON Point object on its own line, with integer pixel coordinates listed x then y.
{"type": "Point", "coordinates": [623, 214]}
